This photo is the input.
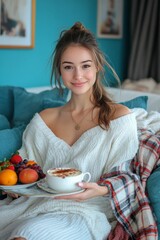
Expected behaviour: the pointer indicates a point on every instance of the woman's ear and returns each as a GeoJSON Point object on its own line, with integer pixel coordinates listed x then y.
{"type": "Point", "coordinates": [97, 69]}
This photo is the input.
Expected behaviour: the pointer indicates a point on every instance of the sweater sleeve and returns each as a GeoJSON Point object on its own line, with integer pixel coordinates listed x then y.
{"type": "Point", "coordinates": [124, 143]}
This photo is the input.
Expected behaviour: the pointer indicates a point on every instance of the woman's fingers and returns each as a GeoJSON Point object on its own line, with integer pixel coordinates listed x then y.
{"type": "Point", "coordinates": [13, 195]}
{"type": "Point", "coordinates": [100, 190]}
{"type": "Point", "coordinates": [4, 193]}
{"type": "Point", "coordinates": [91, 190]}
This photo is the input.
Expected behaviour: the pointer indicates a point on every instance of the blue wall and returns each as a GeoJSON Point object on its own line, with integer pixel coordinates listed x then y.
{"type": "Point", "coordinates": [31, 67]}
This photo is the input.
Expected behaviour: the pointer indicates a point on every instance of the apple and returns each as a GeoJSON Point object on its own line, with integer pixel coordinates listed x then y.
{"type": "Point", "coordinates": [28, 175]}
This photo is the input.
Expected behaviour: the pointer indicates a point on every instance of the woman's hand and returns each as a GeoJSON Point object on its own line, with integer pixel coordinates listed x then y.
{"type": "Point", "coordinates": [91, 190]}
{"type": "Point", "coordinates": [12, 195]}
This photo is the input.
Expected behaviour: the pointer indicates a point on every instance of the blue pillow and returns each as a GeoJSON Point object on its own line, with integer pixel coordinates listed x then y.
{"type": "Point", "coordinates": [153, 190]}
{"type": "Point", "coordinates": [26, 104]}
{"type": "Point", "coordinates": [138, 102]}
{"type": "Point", "coordinates": [49, 103]}
{"type": "Point", "coordinates": [6, 101]}
{"type": "Point", "coordinates": [11, 141]}
{"type": "Point", "coordinates": [4, 123]}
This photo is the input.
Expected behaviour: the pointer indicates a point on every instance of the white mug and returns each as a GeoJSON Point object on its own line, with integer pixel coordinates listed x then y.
{"type": "Point", "coordinates": [66, 179]}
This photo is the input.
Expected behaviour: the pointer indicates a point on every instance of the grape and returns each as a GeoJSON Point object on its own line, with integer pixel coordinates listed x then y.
{"type": "Point", "coordinates": [39, 170]}
{"type": "Point", "coordinates": [25, 161]}
{"type": "Point", "coordinates": [19, 168]}
{"type": "Point", "coordinates": [17, 165]}
{"type": "Point", "coordinates": [41, 175]}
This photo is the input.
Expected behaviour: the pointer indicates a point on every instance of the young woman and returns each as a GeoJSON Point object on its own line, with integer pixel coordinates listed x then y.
{"type": "Point", "coordinates": [90, 132]}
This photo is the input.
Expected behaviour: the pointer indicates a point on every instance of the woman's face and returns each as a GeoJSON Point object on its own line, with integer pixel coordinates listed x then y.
{"type": "Point", "coordinates": [78, 69]}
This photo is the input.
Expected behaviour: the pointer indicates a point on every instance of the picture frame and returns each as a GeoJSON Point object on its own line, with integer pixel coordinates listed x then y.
{"type": "Point", "coordinates": [110, 19]}
{"type": "Point", "coordinates": [17, 25]}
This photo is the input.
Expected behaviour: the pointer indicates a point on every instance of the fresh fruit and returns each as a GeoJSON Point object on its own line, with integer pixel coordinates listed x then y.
{"type": "Point", "coordinates": [18, 164]}
{"type": "Point", "coordinates": [4, 165]}
{"type": "Point", "coordinates": [8, 177]}
{"type": "Point", "coordinates": [11, 167]}
{"type": "Point", "coordinates": [30, 162]}
{"type": "Point", "coordinates": [28, 175]}
{"type": "Point", "coordinates": [38, 169]}
{"type": "Point", "coordinates": [16, 158]}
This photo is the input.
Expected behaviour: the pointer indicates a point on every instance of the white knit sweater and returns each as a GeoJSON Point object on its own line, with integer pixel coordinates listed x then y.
{"type": "Point", "coordinates": [104, 150]}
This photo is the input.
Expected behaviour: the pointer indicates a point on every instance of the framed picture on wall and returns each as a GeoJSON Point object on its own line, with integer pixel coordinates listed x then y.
{"type": "Point", "coordinates": [110, 18]}
{"type": "Point", "coordinates": [17, 23]}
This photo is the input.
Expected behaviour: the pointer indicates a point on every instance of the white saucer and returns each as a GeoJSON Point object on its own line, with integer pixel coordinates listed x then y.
{"type": "Point", "coordinates": [17, 186]}
{"type": "Point", "coordinates": [44, 186]}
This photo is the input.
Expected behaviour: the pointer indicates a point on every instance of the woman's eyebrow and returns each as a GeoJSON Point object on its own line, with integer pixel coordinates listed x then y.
{"type": "Point", "coordinates": [67, 62]}
{"type": "Point", "coordinates": [73, 63]}
{"type": "Point", "coordinates": [87, 61]}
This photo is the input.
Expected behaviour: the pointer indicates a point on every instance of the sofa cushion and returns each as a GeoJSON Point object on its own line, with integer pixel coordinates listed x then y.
{"type": "Point", "coordinates": [11, 141]}
{"type": "Point", "coordinates": [6, 101]}
{"type": "Point", "coordinates": [4, 123]}
{"type": "Point", "coordinates": [122, 95]}
{"type": "Point", "coordinates": [153, 190]}
{"type": "Point", "coordinates": [26, 104]}
{"type": "Point", "coordinates": [49, 103]}
{"type": "Point", "coordinates": [138, 102]}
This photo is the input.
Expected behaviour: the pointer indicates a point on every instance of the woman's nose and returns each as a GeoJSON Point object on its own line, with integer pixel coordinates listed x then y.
{"type": "Point", "coordinates": [78, 74]}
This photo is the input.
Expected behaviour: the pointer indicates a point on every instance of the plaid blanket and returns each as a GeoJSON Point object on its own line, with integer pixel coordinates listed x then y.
{"type": "Point", "coordinates": [127, 185]}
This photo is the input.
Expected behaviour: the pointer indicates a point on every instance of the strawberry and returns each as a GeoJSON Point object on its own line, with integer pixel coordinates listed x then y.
{"type": "Point", "coordinates": [16, 158]}
{"type": "Point", "coordinates": [11, 167]}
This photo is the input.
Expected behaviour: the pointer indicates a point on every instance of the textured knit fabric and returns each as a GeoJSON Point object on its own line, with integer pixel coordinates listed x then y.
{"type": "Point", "coordinates": [104, 150]}
{"type": "Point", "coordinates": [74, 227]}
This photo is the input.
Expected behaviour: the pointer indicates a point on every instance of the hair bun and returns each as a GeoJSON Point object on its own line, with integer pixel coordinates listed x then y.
{"type": "Point", "coordinates": [78, 26]}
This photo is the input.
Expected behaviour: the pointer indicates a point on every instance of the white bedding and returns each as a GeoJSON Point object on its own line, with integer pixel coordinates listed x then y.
{"type": "Point", "coordinates": [125, 95]}
{"type": "Point", "coordinates": [149, 120]}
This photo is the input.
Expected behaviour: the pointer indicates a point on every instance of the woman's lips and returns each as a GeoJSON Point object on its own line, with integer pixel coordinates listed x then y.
{"type": "Point", "coordinates": [78, 84]}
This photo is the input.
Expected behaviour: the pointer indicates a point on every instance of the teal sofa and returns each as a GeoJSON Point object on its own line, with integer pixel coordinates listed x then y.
{"type": "Point", "coordinates": [17, 107]}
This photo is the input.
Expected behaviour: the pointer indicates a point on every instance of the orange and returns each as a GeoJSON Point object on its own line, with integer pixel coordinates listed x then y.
{"type": "Point", "coordinates": [8, 177]}
{"type": "Point", "coordinates": [30, 162]}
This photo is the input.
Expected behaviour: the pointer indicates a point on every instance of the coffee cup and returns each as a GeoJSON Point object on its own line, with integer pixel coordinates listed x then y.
{"type": "Point", "coordinates": [66, 179]}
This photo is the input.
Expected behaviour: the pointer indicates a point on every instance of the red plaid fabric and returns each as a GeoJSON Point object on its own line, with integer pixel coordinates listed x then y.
{"type": "Point", "coordinates": [127, 184]}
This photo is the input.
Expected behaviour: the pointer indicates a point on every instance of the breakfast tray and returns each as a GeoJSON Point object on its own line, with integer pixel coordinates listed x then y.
{"type": "Point", "coordinates": [39, 189]}
{"type": "Point", "coordinates": [33, 191]}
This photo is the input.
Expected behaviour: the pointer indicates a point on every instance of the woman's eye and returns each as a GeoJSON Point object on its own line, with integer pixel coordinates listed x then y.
{"type": "Point", "coordinates": [86, 66]}
{"type": "Point", "coordinates": [68, 67]}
